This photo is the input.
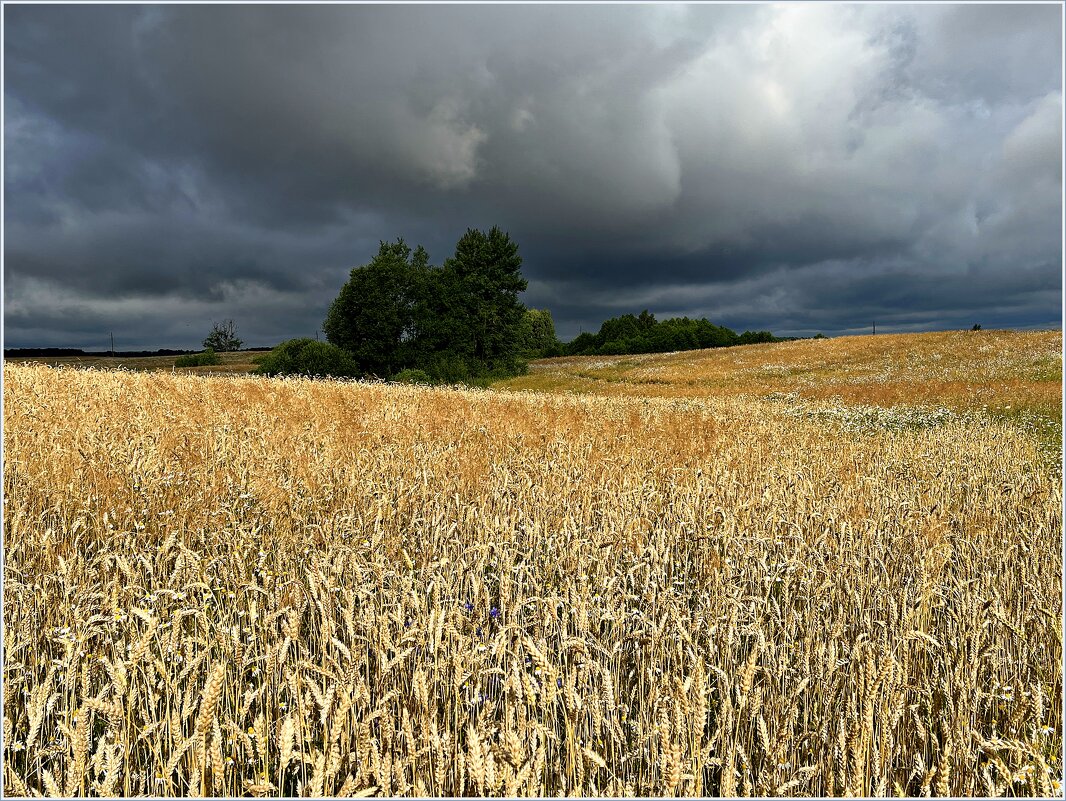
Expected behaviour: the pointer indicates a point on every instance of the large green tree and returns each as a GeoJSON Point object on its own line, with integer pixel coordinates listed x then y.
{"type": "Point", "coordinates": [486, 277]}
{"type": "Point", "coordinates": [373, 317]}
{"type": "Point", "coordinates": [456, 322]}
{"type": "Point", "coordinates": [538, 337]}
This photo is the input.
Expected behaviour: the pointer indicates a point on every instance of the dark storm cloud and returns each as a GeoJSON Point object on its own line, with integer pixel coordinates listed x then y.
{"type": "Point", "coordinates": [787, 167]}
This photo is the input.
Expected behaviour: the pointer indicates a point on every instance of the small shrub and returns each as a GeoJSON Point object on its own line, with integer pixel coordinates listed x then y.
{"type": "Point", "coordinates": [208, 357]}
{"type": "Point", "coordinates": [448, 368]}
{"type": "Point", "coordinates": [413, 377]}
{"type": "Point", "coordinates": [308, 357]}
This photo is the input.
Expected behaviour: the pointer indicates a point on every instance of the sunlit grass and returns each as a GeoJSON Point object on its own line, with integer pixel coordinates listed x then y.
{"type": "Point", "coordinates": [961, 370]}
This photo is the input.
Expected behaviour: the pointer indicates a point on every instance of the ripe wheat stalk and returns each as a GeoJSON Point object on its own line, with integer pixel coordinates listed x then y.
{"type": "Point", "coordinates": [236, 586]}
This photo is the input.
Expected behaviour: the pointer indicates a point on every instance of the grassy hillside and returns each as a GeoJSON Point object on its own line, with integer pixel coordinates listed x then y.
{"type": "Point", "coordinates": [961, 370]}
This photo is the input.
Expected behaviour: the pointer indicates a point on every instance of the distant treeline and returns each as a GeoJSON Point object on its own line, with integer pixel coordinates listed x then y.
{"type": "Point", "coordinates": [127, 354]}
{"type": "Point", "coordinates": [642, 333]}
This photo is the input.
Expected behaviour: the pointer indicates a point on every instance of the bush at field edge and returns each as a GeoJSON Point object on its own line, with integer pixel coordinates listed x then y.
{"type": "Point", "coordinates": [308, 357]}
{"type": "Point", "coordinates": [208, 357]}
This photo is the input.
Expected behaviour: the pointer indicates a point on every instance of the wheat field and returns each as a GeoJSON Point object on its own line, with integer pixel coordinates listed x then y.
{"type": "Point", "coordinates": [243, 586]}
{"type": "Point", "coordinates": [997, 371]}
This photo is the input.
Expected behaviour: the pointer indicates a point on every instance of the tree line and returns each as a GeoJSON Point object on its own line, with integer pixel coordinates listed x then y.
{"type": "Point", "coordinates": [642, 333]}
{"type": "Point", "coordinates": [399, 317]}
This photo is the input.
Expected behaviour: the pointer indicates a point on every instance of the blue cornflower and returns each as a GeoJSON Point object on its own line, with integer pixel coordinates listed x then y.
{"type": "Point", "coordinates": [494, 613]}
{"type": "Point", "coordinates": [469, 607]}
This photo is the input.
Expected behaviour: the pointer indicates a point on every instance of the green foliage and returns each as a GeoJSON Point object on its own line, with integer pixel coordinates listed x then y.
{"type": "Point", "coordinates": [755, 337]}
{"type": "Point", "coordinates": [223, 337]}
{"type": "Point", "coordinates": [456, 323]}
{"type": "Point", "coordinates": [373, 317]}
{"type": "Point", "coordinates": [410, 376]}
{"type": "Point", "coordinates": [537, 335]}
{"type": "Point", "coordinates": [583, 343]}
{"type": "Point", "coordinates": [976, 327]}
{"type": "Point", "coordinates": [208, 357]}
{"type": "Point", "coordinates": [448, 368]}
{"type": "Point", "coordinates": [308, 357]}
{"type": "Point", "coordinates": [470, 308]}
{"type": "Point", "coordinates": [644, 334]}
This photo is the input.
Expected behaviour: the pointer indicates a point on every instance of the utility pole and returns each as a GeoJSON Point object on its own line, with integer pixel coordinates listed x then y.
{"type": "Point", "coordinates": [112, 344]}
{"type": "Point", "coordinates": [875, 326]}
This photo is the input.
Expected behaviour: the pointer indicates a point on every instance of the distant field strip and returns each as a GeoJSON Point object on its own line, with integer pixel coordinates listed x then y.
{"type": "Point", "coordinates": [999, 370]}
{"type": "Point", "coordinates": [230, 362]}
{"type": "Point", "coordinates": [230, 585]}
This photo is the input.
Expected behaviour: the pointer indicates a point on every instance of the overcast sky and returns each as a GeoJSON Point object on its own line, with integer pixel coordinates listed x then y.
{"type": "Point", "coordinates": [797, 168]}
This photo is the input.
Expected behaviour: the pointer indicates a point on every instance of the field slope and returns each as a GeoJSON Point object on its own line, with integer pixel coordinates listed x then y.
{"type": "Point", "coordinates": [230, 363]}
{"type": "Point", "coordinates": [238, 585]}
{"type": "Point", "coordinates": [957, 369]}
